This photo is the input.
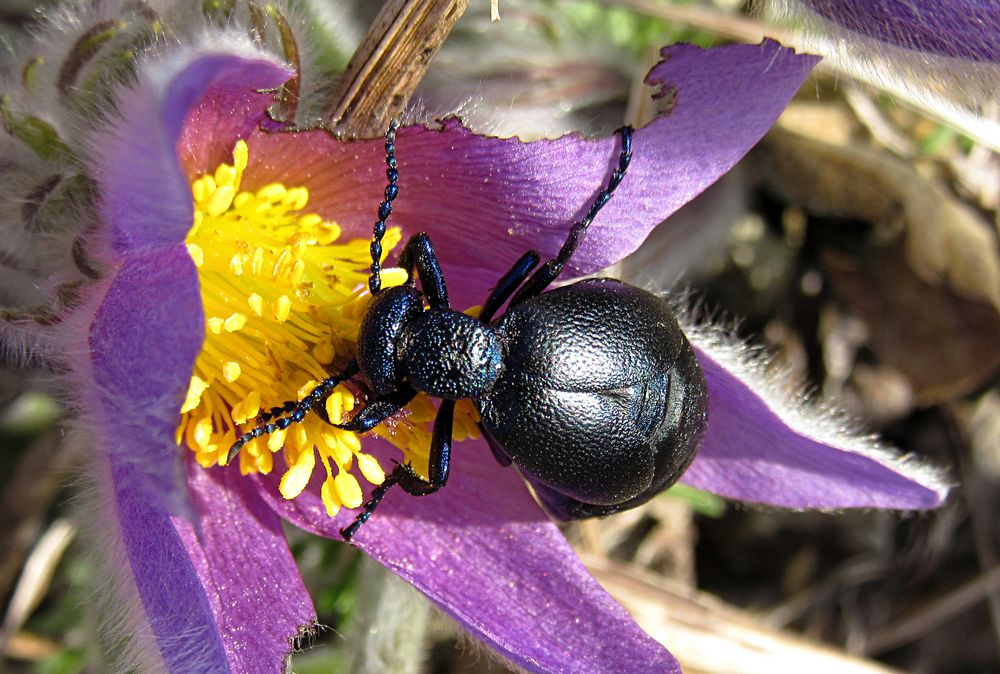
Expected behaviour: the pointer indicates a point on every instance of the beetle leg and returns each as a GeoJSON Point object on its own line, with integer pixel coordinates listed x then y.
{"type": "Point", "coordinates": [378, 410]}
{"type": "Point", "coordinates": [439, 462]}
{"type": "Point", "coordinates": [550, 271]}
{"type": "Point", "coordinates": [438, 468]}
{"type": "Point", "coordinates": [418, 253]}
{"type": "Point", "coordinates": [296, 411]}
{"type": "Point", "coordinates": [506, 286]}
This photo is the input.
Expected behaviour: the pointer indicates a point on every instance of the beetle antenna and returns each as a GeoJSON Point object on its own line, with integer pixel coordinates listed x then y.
{"type": "Point", "coordinates": [296, 410]}
{"type": "Point", "coordinates": [385, 208]}
{"type": "Point", "coordinates": [580, 226]}
{"type": "Point", "coordinates": [376, 497]}
{"type": "Point", "coordinates": [550, 271]}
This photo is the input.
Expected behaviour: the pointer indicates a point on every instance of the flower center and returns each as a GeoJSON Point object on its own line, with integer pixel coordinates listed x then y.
{"type": "Point", "coordinates": [283, 301]}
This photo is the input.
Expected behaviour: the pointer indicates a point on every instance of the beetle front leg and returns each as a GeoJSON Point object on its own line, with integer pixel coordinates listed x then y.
{"type": "Point", "coordinates": [439, 466]}
{"type": "Point", "coordinates": [375, 411]}
{"type": "Point", "coordinates": [439, 463]}
{"type": "Point", "coordinates": [418, 253]}
{"type": "Point", "coordinates": [507, 284]}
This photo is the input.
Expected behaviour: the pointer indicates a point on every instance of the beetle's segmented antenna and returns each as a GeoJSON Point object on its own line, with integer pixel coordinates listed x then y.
{"type": "Point", "coordinates": [376, 497]}
{"type": "Point", "coordinates": [579, 227]}
{"type": "Point", "coordinates": [296, 410]}
{"type": "Point", "coordinates": [385, 208]}
{"type": "Point", "coordinates": [550, 271]}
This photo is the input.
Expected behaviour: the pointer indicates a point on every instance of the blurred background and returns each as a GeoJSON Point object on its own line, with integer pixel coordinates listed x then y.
{"type": "Point", "coordinates": [857, 243]}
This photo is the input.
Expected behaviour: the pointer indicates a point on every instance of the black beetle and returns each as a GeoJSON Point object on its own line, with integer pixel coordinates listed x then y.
{"type": "Point", "coordinates": [591, 389]}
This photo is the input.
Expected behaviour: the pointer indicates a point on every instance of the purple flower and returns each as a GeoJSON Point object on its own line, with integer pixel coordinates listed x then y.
{"type": "Point", "coordinates": [941, 56]}
{"type": "Point", "coordinates": [962, 29]}
{"type": "Point", "coordinates": [206, 577]}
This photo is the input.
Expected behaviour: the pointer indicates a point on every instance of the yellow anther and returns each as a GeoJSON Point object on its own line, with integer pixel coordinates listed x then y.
{"type": "Point", "coordinates": [263, 463]}
{"type": "Point", "coordinates": [196, 253]}
{"type": "Point", "coordinates": [309, 221]}
{"type": "Point", "coordinates": [203, 432]}
{"type": "Point", "coordinates": [257, 264]}
{"type": "Point", "coordinates": [272, 193]}
{"type": "Point", "coordinates": [247, 409]}
{"type": "Point", "coordinates": [297, 477]}
{"type": "Point", "coordinates": [220, 200]}
{"type": "Point", "coordinates": [225, 175]}
{"type": "Point", "coordinates": [241, 156]}
{"type": "Point", "coordinates": [256, 303]}
{"type": "Point", "coordinates": [328, 493]}
{"type": "Point", "coordinates": [297, 273]}
{"type": "Point", "coordinates": [394, 276]}
{"type": "Point", "coordinates": [235, 322]}
{"type": "Point", "coordinates": [281, 264]}
{"type": "Point", "coordinates": [370, 468]}
{"type": "Point", "coordinates": [282, 308]}
{"type": "Point", "coordinates": [327, 233]}
{"type": "Point", "coordinates": [193, 398]}
{"type": "Point", "coordinates": [341, 454]}
{"type": "Point", "coordinates": [348, 490]}
{"type": "Point", "coordinates": [236, 264]}
{"type": "Point", "coordinates": [296, 198]}
{"type": "Point", "coordinates": [324, 353]}
{"type": "Point", "coordinates": [214, 325]}
{"type": "Point", "coordinates": [305, 389]}
{"type": "Point", "coordinates": [276, 440]}
{"type": "Point", "coordinates": [351, 441]}
{"type": "Point", "coordinates": [300, 438]}
{"type": "Point", "coordinates": [231, 371]}
{"type": "Point", "coordinates": [199, 190]}
{"type": "Point", "coordinates": [335, 408]}
{"type": "Point", "coordinates": [422, 410]}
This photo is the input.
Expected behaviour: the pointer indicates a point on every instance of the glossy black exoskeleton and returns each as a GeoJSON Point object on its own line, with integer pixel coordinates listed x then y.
{"type": "Point", "coordinates": [591, 389]}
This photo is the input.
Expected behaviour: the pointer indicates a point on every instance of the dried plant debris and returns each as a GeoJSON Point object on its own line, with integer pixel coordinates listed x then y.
{"type": "Point", "coordinates": [946, 241]}
{"type": "Point", "coordinates": [919, 266]}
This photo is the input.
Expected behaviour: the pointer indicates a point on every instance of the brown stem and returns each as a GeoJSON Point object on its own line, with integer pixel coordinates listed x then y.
{"type": "Point", "coordinates": [389, 64]}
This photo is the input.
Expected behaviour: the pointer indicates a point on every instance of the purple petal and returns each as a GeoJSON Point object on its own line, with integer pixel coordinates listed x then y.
{"type": "Point", "coordinates": [181, 616]}
{"type": "Point", "coordinates": [763, 446]}
{"type": "Point", "coordinates": [247, 568]}
{"type": "Point", "coordinates": [145, 199]}
{"type": "Point", "coordinates": [137, 384]}
{"type": "Point", "coordinates": [965, 29]}
{"type": "Point", "coordinates": [216, 580]}
{"type": "Point", "coordinates": [483, 551]}
{"type": "Point", "coordinates": [485, 201]}
{"type": "Point", "coordinates": [143, 342]}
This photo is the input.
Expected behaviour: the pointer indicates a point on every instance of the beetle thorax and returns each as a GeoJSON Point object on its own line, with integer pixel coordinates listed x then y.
{"type": "Point", "coordinates": [450, 355]}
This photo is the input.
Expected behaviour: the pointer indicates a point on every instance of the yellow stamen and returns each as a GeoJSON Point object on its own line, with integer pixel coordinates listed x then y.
{"type": "Point", "coordinates": [283, 300]}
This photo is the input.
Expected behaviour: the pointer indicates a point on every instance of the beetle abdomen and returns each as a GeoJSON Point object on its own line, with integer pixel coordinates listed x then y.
{"type": "Point", "coordinates": [602, 404]}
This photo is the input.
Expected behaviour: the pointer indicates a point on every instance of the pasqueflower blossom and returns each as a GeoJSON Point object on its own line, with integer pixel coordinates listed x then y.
{"type": "Point", "coordinates": [234, 279]}
{"type": "Point", "coordinates": [958, 29]}
{"type": "Point", "coordinates": [943, 56]}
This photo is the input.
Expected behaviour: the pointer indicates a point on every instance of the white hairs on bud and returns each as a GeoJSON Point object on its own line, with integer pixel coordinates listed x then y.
{"type": "Point", "coordinates": [823, 421]}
